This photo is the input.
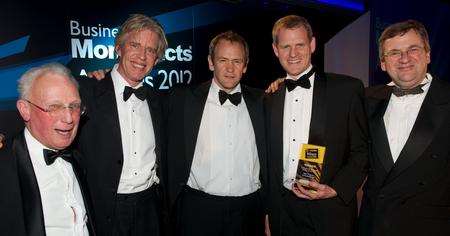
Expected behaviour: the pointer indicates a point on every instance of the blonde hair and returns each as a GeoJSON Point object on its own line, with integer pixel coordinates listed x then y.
{"type": "Point", "coordinates": [138, 22]}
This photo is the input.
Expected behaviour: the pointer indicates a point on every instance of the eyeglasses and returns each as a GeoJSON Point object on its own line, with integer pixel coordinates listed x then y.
{"type": "Point", "coordinates": [412, 51]}
{"type": "Point", "coordinates": [58, 109]}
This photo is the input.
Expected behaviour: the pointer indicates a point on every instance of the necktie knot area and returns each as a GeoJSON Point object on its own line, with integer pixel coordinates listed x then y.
{"type": "Point", "coordinates": [398, 92]}
{"type": "Point", "coordinates": [50, 156]}
{"type": "Point", "coordinates": [303, 81]}
{"type": "Point", "coordinates": [140, 93]}
{"type": "Point", "coordinates": [234, 98]}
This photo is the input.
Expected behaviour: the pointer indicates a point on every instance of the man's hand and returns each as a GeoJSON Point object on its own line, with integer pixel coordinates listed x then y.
{"type": "Point", "coordinates": [267, 226]}
{"type": "Point", "coordinates": [318, 191]}
{"type": "Point", "coordinates": [98, 74]}
{"type": "Point", "coordinates": [273, 87]}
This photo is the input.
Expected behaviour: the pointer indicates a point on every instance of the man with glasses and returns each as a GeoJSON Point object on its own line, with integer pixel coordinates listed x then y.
{"type": "Point", "coordinates": [122, 136]}
{"type": "Point", "coordinates": [408, 187]}
{"type": "Point", "coordinates": [43, 190]}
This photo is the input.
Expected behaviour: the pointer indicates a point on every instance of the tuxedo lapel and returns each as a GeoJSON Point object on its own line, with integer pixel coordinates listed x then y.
{"type": "Point", "coordinates": [276, 116]}
{"type": "Point", "coordinates": [378, 129]}
{"type": "Point", "coordinates": [193, 112]}
{"type": "Point", "coordinates": [31, 197]}
{"type": "Point", "coordinates": [255, 112]}
{"type": "Point", "coordinates": [155, 114]}
{"type": "Point", "coordinates": [430, 118]}
{"type": "Point", "coordinates": [318, 112]}
{"type": "Point", "coordinates": [80, 174]}
{"type": "Point", "coordinates": [106, 107]}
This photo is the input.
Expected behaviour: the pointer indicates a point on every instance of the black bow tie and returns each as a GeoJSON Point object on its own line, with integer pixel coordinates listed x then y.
{"type": "Point", "coordinates": [234, 98]}
{"type": "Point", "coordinates": [398, 92]}
{"type": "Point", "coordinates": [50, 156]}
{"type": "Point", "coordinates": [303, 81]}
{"type": "Point", "coordinates": [140, 93]}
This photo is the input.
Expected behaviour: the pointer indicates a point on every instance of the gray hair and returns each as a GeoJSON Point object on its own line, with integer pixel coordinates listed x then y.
{"type": "Point", "coordinates": [27, 79]}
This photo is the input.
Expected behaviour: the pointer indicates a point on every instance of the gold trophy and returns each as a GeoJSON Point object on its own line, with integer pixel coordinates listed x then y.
{"type": "Point", "coordinates": [310, 164]}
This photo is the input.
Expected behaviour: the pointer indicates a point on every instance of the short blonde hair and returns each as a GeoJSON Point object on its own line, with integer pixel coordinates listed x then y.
{"type": "Point", "coordinates": [291, 22]}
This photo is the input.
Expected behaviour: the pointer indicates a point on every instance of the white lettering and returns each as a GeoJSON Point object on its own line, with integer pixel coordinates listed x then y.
{"type": "Point", "coordinates": [74, 30]}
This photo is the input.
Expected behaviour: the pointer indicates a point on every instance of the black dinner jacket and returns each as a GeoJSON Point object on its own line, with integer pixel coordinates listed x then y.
{"type": "Point", "coordinates": [412, 195]}
{"type": "Point", "coordinates": [338, 122]}
{"type": "Point", "coordinates": [20, 200]}
{"type": "Point", "coordinates": [101, 144]}
{"type": "Point", "coordinates": [185, 111]}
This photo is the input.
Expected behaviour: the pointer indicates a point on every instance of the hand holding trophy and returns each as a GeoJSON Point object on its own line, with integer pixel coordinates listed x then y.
{"type": "Point", "coordinates": [309, 172]}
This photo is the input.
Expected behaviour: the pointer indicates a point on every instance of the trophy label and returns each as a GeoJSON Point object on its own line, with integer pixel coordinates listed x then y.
{"type": "Point", "coordinates": [310, 163]}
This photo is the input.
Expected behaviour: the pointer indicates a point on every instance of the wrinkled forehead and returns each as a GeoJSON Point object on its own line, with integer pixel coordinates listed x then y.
{"type": "Point", "coordinates": [53, 87]}
{"type": "Point", "coordinates": [404, 39]}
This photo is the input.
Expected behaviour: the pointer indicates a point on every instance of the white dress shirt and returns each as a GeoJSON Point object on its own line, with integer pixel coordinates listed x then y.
{"type": "Point", "coordinates": [225, 161]}
{"type": "Point", "coordinates": [61, 198]}
{"type": "Point", "coordinates": [296, 121]}
{"type": "Point", "coordinates": [138, 139]}
{"type": "Point", "coordinates": [400, 116]}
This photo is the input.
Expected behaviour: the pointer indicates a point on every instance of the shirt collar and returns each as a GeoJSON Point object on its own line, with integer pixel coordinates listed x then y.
{"type": "Point", "coordinates": [214, 91]}
{"type": "Point", "coordinates": [215, 88]}
{"type": "Point", "coordinates": [119, 82]}
{"type": "Point", "coordinates": [426, 81]}
{"type": "Point", "coordinates": [35, 148]}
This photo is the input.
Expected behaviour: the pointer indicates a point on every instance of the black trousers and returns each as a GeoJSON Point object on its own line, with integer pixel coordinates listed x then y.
{"type": "Point", "coordinates": [315, 218]}
{"type": "Point", "coordinates": [138, 214]}
{"type": "Point", "coordinates": [200, 214]}
{"type": "Point", "coordinates": [295, 216]}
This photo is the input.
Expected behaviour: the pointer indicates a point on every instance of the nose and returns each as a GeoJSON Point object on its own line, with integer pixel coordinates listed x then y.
{"type": "Point", "coordinates": [141, 53]}
{"type": "Point", "coordinates": [293, 52]}
{"type": "Point", "coordinates": [229, 67]}
{"type": "Point", "coordinates": [404, 57]}
{"type": "Point", "coordinates": [68, 115]}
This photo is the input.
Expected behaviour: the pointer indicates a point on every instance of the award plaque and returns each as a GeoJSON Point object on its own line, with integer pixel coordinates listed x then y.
{"type": "Point", "coordinates": [310, 163]}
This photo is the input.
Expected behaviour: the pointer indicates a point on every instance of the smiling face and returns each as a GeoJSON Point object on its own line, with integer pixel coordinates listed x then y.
{"type": "Point", "coordinates": [137, 55]}
{"type": "Point", "coordinates": [228, 64]}
{"type": "Point", "coordinates": [410, 69]}
{"type": "Point", "coordinates": [55, 132]}
{"type": "Point", "coordinates": [294, 50]}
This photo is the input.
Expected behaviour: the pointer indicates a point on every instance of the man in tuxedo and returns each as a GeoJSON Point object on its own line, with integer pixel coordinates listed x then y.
{"type": "Point", "coordinates": [408, 186]}
{"type": "Point", "coordinates": [43, 188]}
{"type": "Point", "coordinates": [313, 108]}
{"type": "Point", "coordinates": [122, 135]}
{"type": "Point", "coordinates": [217, 160]}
